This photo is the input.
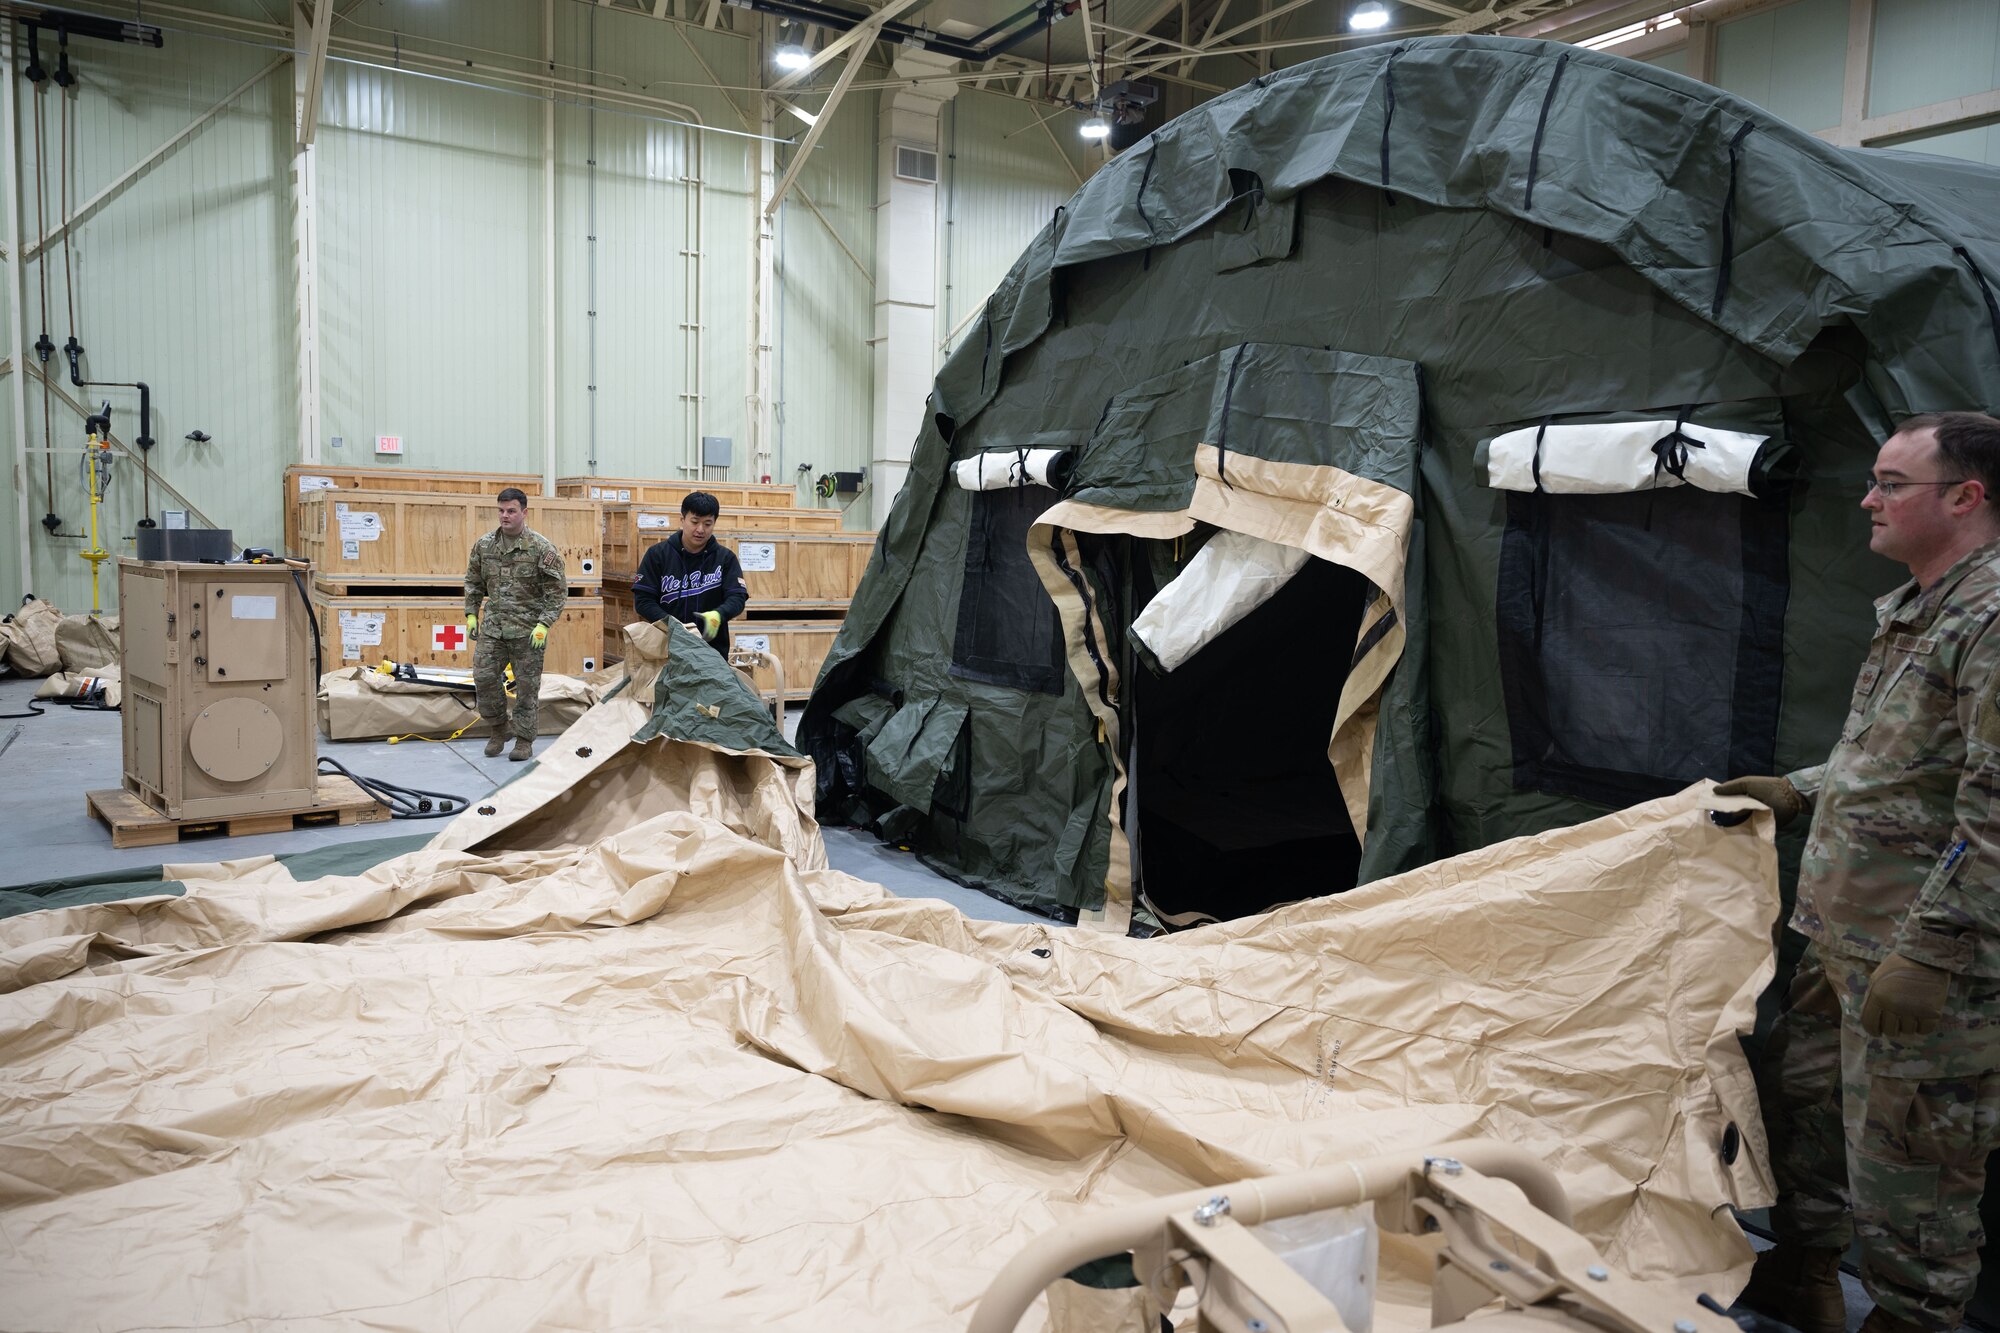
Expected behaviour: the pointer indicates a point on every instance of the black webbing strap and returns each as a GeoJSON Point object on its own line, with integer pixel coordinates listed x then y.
{"type": "Point", "coordinates": [1535, 463]}
{"type": "Point", "coordinates": [1729, 223]}
{"type": "Point", "coordinates": [1222, 432]}
{"type": "Point", "coordinates": [1670, 451]}
{"type": "Point", "coordinates": [1992, 307]}
{"type": "Point", "coordinates": [1541, 128]}
{"type": "Point", "coordinates": [1388, 118]}
{"type": "Point", "coordinates": [1139, 201]}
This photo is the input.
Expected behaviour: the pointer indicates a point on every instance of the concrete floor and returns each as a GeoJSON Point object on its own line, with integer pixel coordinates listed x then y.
{"type": "Point", "coordinates": [57, 757]}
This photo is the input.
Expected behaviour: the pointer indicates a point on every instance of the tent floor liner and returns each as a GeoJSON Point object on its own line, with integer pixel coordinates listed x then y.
{"type": "Point", "coordinates": [133, 823]}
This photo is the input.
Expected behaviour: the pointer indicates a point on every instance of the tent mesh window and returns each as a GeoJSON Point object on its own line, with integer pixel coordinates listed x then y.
{"type": "Point", "coordinates": [1641, 639]}
{"type": "Point", "coordinates": [1008, 631]}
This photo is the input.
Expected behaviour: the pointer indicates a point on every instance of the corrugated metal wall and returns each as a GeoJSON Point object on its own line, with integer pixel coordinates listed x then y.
{"type": "Point", "coordinates": [823, 362]}
{"type": "Point", "coordinates": [1928, 50]}
{"type": "Point", "coordinates": [1790, 61]}
{"type": "Point", "coordinates": [182, 280]}
{"type": "Point", "coordinates": [1003, 178]}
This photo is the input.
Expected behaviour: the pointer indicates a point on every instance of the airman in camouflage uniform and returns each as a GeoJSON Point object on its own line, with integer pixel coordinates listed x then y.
{"type": "Point", "coordinates": [1881, 1082]}
{"type": "Point", "coordinates": [515, 585]}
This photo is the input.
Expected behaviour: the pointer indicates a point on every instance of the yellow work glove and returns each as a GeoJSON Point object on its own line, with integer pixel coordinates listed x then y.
{"type": "Point", "coordinates": [471, 626]}
{"type": "Point", "coordinates": [711, 623]}
{"type": "Point", "coordinates": [1778, 793]}
{"type": "Point", "coordinates": [539, 635]}
{"type": "Point", "coordinates": [1905, 998]}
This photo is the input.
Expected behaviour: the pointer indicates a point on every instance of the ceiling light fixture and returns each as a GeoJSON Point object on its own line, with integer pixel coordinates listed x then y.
{"type": "Point", "coordinates": [791, 53]}
{"type": "Point", "coordinates": [1369, 17]}
{"type": "Point", "coordinates": [1631, 32]}
{"type": "Point", "coordinates": [1097, 127]}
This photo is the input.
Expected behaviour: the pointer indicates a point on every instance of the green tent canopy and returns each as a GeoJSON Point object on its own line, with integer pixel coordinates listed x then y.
{"type": "Point", "coordinates": [1419, 447]}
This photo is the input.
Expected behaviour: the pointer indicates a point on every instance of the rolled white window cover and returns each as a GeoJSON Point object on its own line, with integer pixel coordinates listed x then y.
{"type": "Point", "coordinates": [1609, 457]}
{"type": "Point", "coordinates": [1227, 579]}
{"type": "Point", "coordinates": [999, 469]}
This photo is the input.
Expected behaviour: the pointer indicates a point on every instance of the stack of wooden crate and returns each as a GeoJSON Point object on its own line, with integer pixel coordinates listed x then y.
{"type": "Point", "coordinates": [388, 549]}
{"type": "Point", "coordinates": [801, 567]}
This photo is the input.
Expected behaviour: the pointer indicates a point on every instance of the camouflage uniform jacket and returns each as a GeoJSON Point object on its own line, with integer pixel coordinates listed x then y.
{"type": "Point", "coordinates": [1904, 852]}
{"type": "Point", "coordinates": [520, 580]}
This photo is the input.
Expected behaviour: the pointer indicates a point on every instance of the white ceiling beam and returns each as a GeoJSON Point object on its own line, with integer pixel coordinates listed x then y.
{"type": "Point", "coordinates": [316, 29]}
{"type": "Point", "coordinates": [818, 127]}
{"type": "Point", "coordinates": [861, 34]}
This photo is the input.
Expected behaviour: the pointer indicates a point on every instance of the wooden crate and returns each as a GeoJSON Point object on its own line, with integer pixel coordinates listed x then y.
{"type": "Point", "coordinates": [302, 480]}
{"type": "Point", "coordinates": [133, 823]}
{"type": "Point", "coordinates": [372, 538]}
{"type": "Point", "coordinates": [630, 529]}
{"type": "Point", "coordinates": [788, 573]}
{"type": "Point", "coordinates": [801, 645]}
{"type": "Point", "coordinates": [643, 490]}
{"type": "Point", "coordinates": [430, 631]}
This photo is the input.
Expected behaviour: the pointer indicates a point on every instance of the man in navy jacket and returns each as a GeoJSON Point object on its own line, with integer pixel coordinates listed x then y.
{"type": "Point", "coordinates": [691, 577]}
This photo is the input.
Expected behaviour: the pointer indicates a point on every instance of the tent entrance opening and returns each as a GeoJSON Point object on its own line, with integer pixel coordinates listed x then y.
{"type": "Point", "coordinates": [1237, 804]}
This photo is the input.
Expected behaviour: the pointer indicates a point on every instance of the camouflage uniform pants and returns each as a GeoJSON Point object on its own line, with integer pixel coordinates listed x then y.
{"type": "Point", "coordinates": [490, 658]}
{"type": "Point", "coordinates": [1884, 1140]}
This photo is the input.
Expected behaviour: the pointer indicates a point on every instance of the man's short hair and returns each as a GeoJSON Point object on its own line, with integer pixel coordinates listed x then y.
{"type": "Point", "coordinates": [1968, 445]}
{"type": "Point", "coordinates": [701, 504]}
{"type": "Point", "coordinates": [516, 494]}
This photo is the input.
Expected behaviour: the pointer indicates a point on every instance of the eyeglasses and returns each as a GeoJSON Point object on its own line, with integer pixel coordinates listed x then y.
{"type": "Point", "coordinates": [1887, 489]}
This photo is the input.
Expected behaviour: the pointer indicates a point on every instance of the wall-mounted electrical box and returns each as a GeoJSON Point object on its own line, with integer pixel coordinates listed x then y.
{"type": "Point", "coordinates": [217, 663]}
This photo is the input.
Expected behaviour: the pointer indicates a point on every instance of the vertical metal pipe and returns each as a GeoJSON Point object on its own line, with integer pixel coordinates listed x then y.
{"type": "Point", "coordinates": [549, 330]}
{"type": "Point", "coordinates": [590, 178]}
{"type": "Point", "coordinates": [10, 200]}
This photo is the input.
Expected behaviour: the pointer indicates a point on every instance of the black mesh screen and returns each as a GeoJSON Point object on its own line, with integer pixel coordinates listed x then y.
{"type": "Point", "coordinates": [1641, 639]}
{"type": "Point", "coordinates": [1008, 633]}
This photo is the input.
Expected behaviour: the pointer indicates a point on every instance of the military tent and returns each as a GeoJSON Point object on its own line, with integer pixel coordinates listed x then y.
{"type": "Point", "coordinates": [1415, 448]}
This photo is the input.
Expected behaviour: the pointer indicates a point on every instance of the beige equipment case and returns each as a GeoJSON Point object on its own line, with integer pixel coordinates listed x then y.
{"type": "Point", "coordinates": [217, 663]}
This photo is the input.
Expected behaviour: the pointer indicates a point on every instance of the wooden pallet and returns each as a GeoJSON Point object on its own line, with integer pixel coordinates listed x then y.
{"type": "Point", "coordinates": [133, 823]}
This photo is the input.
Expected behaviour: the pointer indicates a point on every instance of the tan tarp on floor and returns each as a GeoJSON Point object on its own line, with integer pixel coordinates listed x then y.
{"type": "Point", "coordinates": [669, 1079]}
{"type": "Point", "coordinates": [359, 703]}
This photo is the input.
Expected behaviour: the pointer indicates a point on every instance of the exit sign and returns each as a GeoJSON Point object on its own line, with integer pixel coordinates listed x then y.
{"type": "Point", "coordinates": [388, 444]}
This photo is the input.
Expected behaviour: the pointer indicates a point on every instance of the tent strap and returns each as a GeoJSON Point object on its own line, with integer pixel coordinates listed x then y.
{"type": "Point", "coordinates": [1541, 128]}
{"type": "Point", "coordinates": [1729, 223]}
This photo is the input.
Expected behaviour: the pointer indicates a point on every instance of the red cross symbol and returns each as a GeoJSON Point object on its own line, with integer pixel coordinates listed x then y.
{"type": "Point", "coordinates": [447, 638]}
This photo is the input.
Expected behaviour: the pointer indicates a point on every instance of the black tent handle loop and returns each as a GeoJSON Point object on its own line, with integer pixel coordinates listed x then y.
{"type": "Point", "coordinates": [1670, 451]}
{"type": "Point", "coordinates": [1535, 463]}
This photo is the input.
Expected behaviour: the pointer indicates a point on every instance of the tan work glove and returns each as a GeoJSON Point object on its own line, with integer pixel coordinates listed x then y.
{"type": "Point", "coordinates": [1777, 793]}
{"type": "Point", "coordinates": [471, 625]}
{"type": "Point", "coordinates": [539, 635]}
{"type": "Point", "coordinates": [1905, 998]}
{"type": "Point", "coordinates": [711, 623]}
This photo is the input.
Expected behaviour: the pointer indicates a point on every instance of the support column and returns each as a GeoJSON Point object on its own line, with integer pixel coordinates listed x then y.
{"type": "Point", "coordinates": [550, 465]}
{"type": "Point", "coordinates": [906, 253]}
{"type": "Point", "coordinates": [10, 237]}
{"type": "Point", "coordinates": [758, 426]}
{"type": "Point", "coordinates": [305, 232]}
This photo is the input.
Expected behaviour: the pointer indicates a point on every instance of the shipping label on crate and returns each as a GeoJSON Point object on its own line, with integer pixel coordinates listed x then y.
{"type": "Point", "coordinates": [624, 495]}
{"type": "Point", "coordinates": [358, 630]}
{"type": "Point", "coordinates": [359, 525]}
{"type": "Point", "coordinates": [350, 550]}
{"type": "Point", "coordinates": [597, 492]}
{"type": "Point", "coordinates": [756, 643]}
{"type": "Point", "coordinates": [307, 485]}
{"type": "Point", "coordinates": [757, 557]}
{"type": "Point", "coordinates": [655, 522]}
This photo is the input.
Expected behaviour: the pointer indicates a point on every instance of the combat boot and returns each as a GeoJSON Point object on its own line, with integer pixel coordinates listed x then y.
{"type": "Point", "coordinates": [1881, 1321]}
{"type": "Point", "coordinates": [495, 744]}
{"type": "Point", "coordinates": [525, 749]}
{"type": "Point", "coordinates": [1800, 1285]}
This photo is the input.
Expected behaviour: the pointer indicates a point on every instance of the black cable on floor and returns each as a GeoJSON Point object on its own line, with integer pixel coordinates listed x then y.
{"type": "Point", "coordinates": [34, 710]}
{"type": "Point", "coordinates": [403, 802]}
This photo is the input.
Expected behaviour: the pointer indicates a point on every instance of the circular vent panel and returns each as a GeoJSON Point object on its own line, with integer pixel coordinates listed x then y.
{"type": "Point", "coordinates": [235, 740]}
